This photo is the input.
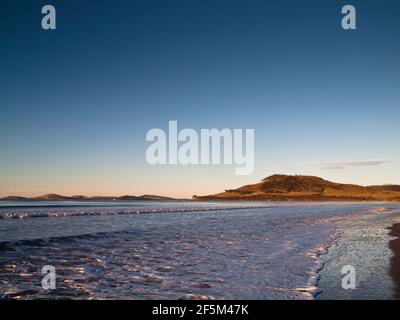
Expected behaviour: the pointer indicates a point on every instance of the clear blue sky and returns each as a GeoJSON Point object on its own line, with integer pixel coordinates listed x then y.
{"type": "Point", "coordinates": [76, 103]}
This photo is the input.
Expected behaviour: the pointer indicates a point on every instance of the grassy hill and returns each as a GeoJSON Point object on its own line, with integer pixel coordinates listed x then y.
{"type": "Point", "coordinates": [306, 188]}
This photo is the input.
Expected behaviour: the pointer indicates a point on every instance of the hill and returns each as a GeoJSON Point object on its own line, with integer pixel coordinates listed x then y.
{"type": "Point", "coordinates": [306, 188]}
{"type": "Point", "coordinates": [57, 197]}
{"type": "Point", "coordinates": [13, 198]}
{"type": "Point", "coordinates": [52, 196]}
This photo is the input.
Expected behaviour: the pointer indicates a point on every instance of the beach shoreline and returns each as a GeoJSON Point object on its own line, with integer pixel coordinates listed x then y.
{"type": "Point", "coordinates": [370, 243]}
{"type": "Point", "coordinates": [394, 245]}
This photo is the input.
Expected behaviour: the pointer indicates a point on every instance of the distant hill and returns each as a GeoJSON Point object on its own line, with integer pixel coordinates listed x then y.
{"type": "Point", "coordinates": [154, 197]}
{"type": "Point", "coordinates": [52, 196]}
{"type": "Point", "coordinates": [306, 188]}
{"type": "Point", "coordinates": [13, 198]}
{"type": "Point", "coordinates": [57, 197]}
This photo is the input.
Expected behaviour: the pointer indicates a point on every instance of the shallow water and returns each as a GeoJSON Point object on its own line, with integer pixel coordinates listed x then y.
{"type": "Point", "coordinates": [362, 242]}
{"type": "Point", "coordinates": [154, 250]}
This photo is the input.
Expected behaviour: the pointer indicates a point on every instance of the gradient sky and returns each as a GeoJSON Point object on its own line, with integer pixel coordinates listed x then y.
{"type": "Point", "coordinates": [76, 103]}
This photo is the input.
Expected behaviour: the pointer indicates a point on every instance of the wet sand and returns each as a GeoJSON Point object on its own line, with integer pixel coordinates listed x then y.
{"type": "Point", "coordinates": [363, 241]}
{"type": "Point", "coordinates": [394, 245]}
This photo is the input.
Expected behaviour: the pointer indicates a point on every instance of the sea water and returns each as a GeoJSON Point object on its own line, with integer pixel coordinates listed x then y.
{"type": "Point", "coordinates": [188, 250]}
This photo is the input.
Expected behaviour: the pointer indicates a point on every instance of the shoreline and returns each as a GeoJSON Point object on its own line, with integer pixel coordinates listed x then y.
{"type": "Point", "coordinates": [332, 242]}
{"type": "Point", "coordinates": [394, 271]}
{"type": "Point", "coordinates": [367, 243]}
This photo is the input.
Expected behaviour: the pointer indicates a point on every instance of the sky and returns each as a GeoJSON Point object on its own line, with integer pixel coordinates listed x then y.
{"type": "Point", "coordinates": [76, 102]}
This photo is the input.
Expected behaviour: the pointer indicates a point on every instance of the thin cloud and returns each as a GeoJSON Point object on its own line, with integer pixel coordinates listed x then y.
{"type": "Point", "coordinates": [354, 163]}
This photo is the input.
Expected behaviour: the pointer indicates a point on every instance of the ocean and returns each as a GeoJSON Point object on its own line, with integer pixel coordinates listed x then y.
{"type": "Point", "coordinates": [190, 250]}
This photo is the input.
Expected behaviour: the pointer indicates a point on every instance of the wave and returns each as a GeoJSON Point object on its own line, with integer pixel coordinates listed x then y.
{"type": "Point", "coordinates": [66, 210]}
{"type": "Point", "coordinates": [23, 213]}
